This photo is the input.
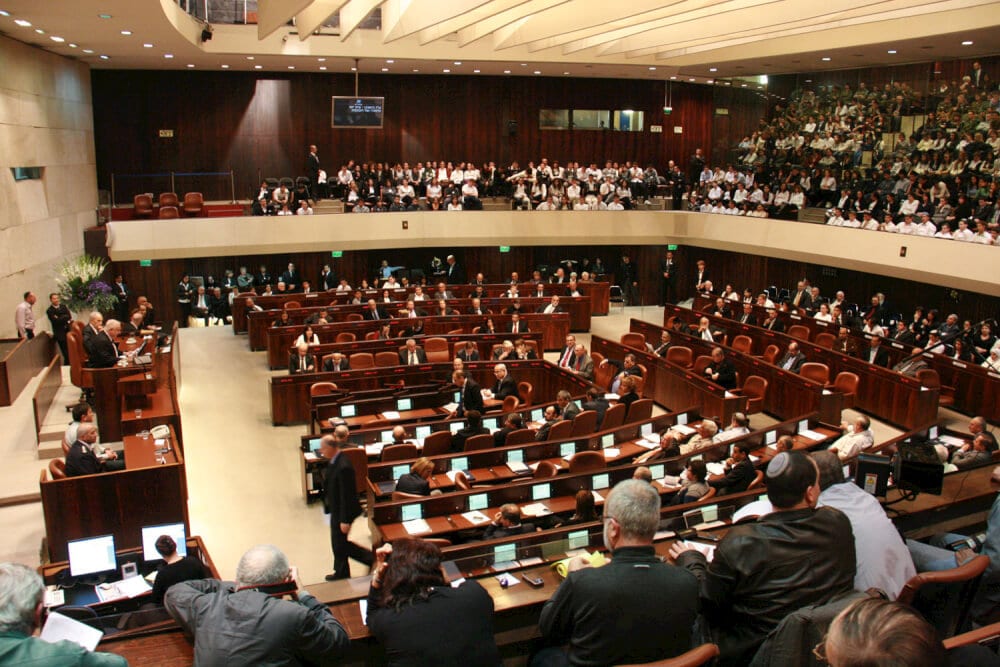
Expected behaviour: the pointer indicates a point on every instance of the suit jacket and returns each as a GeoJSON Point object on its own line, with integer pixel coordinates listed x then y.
{"type": "Point", "coordinates": [748, 319]}
{"type": "Point", "coordinates": [454, 273]}
{"type": "Point", "coordinates": [570, 411]}
{"type": "Point", "coordinates": [584, 366]}
{"type": "Point", "coordinates": [340, 493]}
{"type": "Point", "coordinates": [541, 309]}
{"type": "Point", "coordinates": [504, 388]}
{"type": "Point", "coordinates": [404, 356]}
{"type": "Point", "coordinates": [61, 319]}
{"type": "Point", "coordinates": [465, 355]}
{"type": "Point", "coordinates": [844, 346]}
{"type": "Point", "coordinates": [600, 406]}
{"type": "Point", "coordinates": [344, 365]}
{"type": "Point", "coordinates": [881, 356]}
{"type": "Point", "coordinates": [796, 361]}
{"type": "Point", "coordinates": [382, 315]}
{"type": "Point", "coordinates": [327, 281]}
{"type": "Point", "coordinates": [774, 325]}
{"type": "Point", "coordinates": [82, 461]}
{"type": "Point", "coordinates": [522, 328]}
{"type": "Point", "coordinates": [805, 299]}
{"type": "Point", "coordinates": [291, 278]}
{"type": "Point", "coordinates": [660, 349]}
{"type": "Point", "coordinates": [471, 398]}
{"type": "Point", "coordinates": [129, 329]}
{"type": "Point", "coordinates": [293, 363]}
{"type": "Point", "coordinates": [459, 438]}
{"type": "Point", "coordinates": [727, 374]}
{"type": "Point", "coordinates": [500, 437]}
{"type": "Point", "coordinates": [103, 353]}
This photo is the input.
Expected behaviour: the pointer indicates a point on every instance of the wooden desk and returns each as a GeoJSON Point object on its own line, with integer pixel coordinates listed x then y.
{"type": "Point", "coordinates": [965, 500]}
{"type": "Point", "coordinates": [21, 360]}
{"type": "Point", "coordinates": [140, 452]}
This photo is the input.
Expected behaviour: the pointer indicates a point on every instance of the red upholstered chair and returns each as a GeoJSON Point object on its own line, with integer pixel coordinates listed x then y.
{"type": "Point", "coordinates": [700, 364]}
{"type": "Point", "coordinates": [436, 349]}
{"type": "Point", "coordinates": [526, 392]}
{"type": "Point", "coordinates": [758, 481]}
{"type": "Point", "coordinates": [355, 317]}
{"type": "Point", "coordinates": [348, 337]}
{"type": "Point", "coordinates": [477, 442]}
{"type": "Point", "coordinates": [846, 383]}
{"type": "Point", "coordinates": [584, 423]}
{"type": "Point", "coordinates": [584, 461]}
{"type": "Point", "coordinates": [322, 388]}
{"type": "Point", "coordinates": [825, 339]}
{"type": "Point", "coordinates": [614, 417]}
{"type": "Point", "coordinates": [743, 344]}
{"type": "Point", "coordinates": [169, 199]}
{"type": "Point", "coordinates": [57, 468]}
{"type": "Point", "coordinates": [799, 331]}
{"type": "Point", "coordinates": [194, 203]}
{"type": "Point", "coordinates": [385, 358]}
{"type": "Point", "coordinates": [362, 360]}
{"type": "Point", "coordinates": [437, 443]}
{"type": "Point", "coordinates": [561, 430]}
{"type": "Point", "coordinates": [754, 389]}
{"type": "Point", "coordinates": [289, 305]}
{"type": "Point", "coordinates": [639, 410]}
{"type": "Point", "coordinates": [521, 436]}
{"type": "Point", "coordinates": [771, 354]}
{"type": "Point", "coordinates": [633, 339]}
{"type": "Point", "coordinates": [815, 371]}
{"type": "Point", "coordinates": [168, 213]}
{"type": "Point", "coordinates": [702, 655]}
{"type": "Point", "coordinates": [510, 404]}
{"type": "Point", "coordinates": [399, 452]}
{"type": "Point", "coordinates": [929, 378]}
{"type": "Point", "coordinates": [143, 206]}
{"type": "Point", "coordinates": [680, 355]}
{"type": "Point", "coordinates": [359, 459]}
{"type": "Point", "coordinates": [545, 470]}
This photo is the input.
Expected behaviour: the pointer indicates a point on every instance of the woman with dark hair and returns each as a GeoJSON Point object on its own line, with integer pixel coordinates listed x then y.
{"type": "Point", "coordinates": [585, 510]}
{"type": "Point", "coordinates": [175, 568]}
{"type": "Point", "coordinates": [693, 486]}
{"type": "Point", "coordinates": [420, 619]}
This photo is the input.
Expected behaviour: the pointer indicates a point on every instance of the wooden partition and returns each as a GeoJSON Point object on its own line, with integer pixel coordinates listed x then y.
{"type": "Point", "coordinates": [21, 360]}
{"type": "Point", "coordinates": [45, 395]}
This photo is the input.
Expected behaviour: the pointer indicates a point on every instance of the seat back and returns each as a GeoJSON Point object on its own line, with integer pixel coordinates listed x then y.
{"type": "Point", "coordinates": [462, 481]}
{"type": "Point", "coordinates": [614, 416]}
{"type": "Point", "coordinates": [545, 470]}
{"type": "Point", "coordinates": [371, 335]}
{"type": "Point", "coordinates": [603, 373]}
{"type": "Point", "coordinates": [399, 452]}
{"type": "Point", "coordinates": [712, 491]}
{"type": "Point", "coordinates": [348, 337]}
{"type": "Point", "coordinates": [561, 430]}
{"type": "Point", "coordinates": [944, 597]}
{"type": "Point", "coordinates": [78, 374]}
{"type": "Point", "coordinates": [193, 203]}
{"type": "Point", "coordinates": [526, 392]}
{"type": "Point", "coordinates": [754, 389]}
{"type": "Point", "coordinates": [359, 460]}
{"type": "Point", "coordinates": [402, 495]}
{"type": "Point", "coordinates": [799, 331]}
{"type": "Point", "coordinates": [701, 655]}
{"type": "Point", "coordinates": [639, 410]}
{"type": "Point", "coordinates": [142, 205]}
{"type": "Point", "coordinates": [701, 363]}
{"type": "Point", "coordinates": [437, 443]}
{"type": "Point", "coordinates": [510, 403]}
{"type": "Point", "coordinates": [825, 339]}
{"type": "Point", "coordinates": [521, 436]}
{"type": "Point", "coordinates": [385, 358]}
{"type": "Point", "coordinates": [57, 468]}
{"type": "Point", "coordinates": [758, 480]}
{"type": "Point", "coordinates": [322, 388]}
{"type": "Point", "coordinates": [680, 355]}
{"type": "Point", "coordinates": [846, 382]}
{"type": "Point", "coordinates": [169, 199]}
{"type": "Point", "coordinates": [633, 339]}
{"type": "Point", "coordinates": [362, 360]}
{"type": "Point", "coordinates": [743, 344]}
{"type": "Point", "coordinates": [168, 213]}
{"type": "Point", "coordinates": [584, 461]}
{"type": "Point", "coordinates": [771, 353]}
{"type": "Point", "coordinates": [476, 442]}
{"type": "Point", "coordinates": [436, 349]}
{"type": "Point", "coordinates": [355, 317]}
{"type": "Point", "coordinates": [288, 305]}
{"type": "Point", "coordinates": [815, 371]}
{"type": "Point", "coordinates": [928, 377]}
{"type": "Point", "coordinates": [584, 423]}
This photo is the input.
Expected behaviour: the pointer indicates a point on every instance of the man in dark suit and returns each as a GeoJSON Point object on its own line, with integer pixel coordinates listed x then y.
{"type": "Point", "coordinates": [340, 502]}
{"type": "Point", "coordinates": [583, 363]}
{"type": "Point", "coordinates": [301, 361]}
{"type": "Point", "coordinates": [82, 460]}
{"type": "Point", "coordinates": [513, 422]}
{"type": "Point", "coordinates": [454, 273]}
{"type": "Point", "coordinates": [469, 353]}
{"type": "Point", "coordinates": [721, 371]}
{"type": "Point", "coordinates": [291, 278]}
{"type": "Point", "coordinates": [902, 334]}
{"type": "Point", "coordinates": [103, 351]}
{"type": "Point", "coordinates": [596, 402]}
{"type": "Point", "coordinates": [121, 293]}
{"type": "Point", "coordinates": [627, 366]}
{"type": "Point", "coordinates": [327, 281]}
{"type": "Point", "coordinates": [701, 276]}
{"type": "Point", "coordinates": [568, 409]}
{"type": "Point", "coordinates": [667, 278]}
{"type": "Point", "coordinates": [660, 349]}
{"type": "Point", "coordinates": [337, 362]}
{"type": "Point", "coordinates": [60, 319]}
{"type": "Point", "coordinates": [793, 359]}
{"type": "Point", "coordinates": [551, 416]}
{"type": "Point", "coordinates": [477, 307]}
{"type": "Point", "coordinates": [507, 522]}
{"type": "Point", "coordinates": [844, 343]}
{"type": "Point", "coordinates": [505, 385]}
{"type": "Point", "coordinates": [90, 332]}
{"type": "Point", "coordinates": [412, 354]}
{"type": "Point", "coordinates": [312, 169]}
{"type": "Point", "coordinates": [516, 326]}
{"type": "Point", "coordinates": [551, 307]}
{"type": "Point", "coordinates": [802, 297]}
{"type": "Point", "coordinates": [772, 321]}
{"type": "Point", "coordinates": [473, 426]}
{"type": "Point", "coordinates": [566, 355]}
{"type": "Point", "coordinates": [876, 354]}
{"type": "Point", "coordinates": [374, 311]}
{"type": "Point", "coordinates": [470, 395]}
{"type": "Point", "coordinates": [185, 292]}
{"type": "Point", "coordinates": [748, 317]}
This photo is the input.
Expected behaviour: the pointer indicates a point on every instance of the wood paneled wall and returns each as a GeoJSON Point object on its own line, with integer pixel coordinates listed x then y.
{"type": "Point", "coordinates": [261, 124]}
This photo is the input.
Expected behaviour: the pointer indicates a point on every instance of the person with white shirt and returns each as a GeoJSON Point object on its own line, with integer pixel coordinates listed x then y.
{"type": "Point", "coordinates": [738, 427]}
{"type": "Point", "coordinates": [304, 208]}
{"type": "Point", "coordinates": [982, 235]}
{"type": "Point", "coordinates": [852, 220]}
{"type": "Point", "coordinates": [909, 206]}
{"type": "Point", "coordinates": [963, 233]}
{"type": "Point", "coordinates": [616, 204]}
{"type": "Point", "coordinates": [546, 205]}
{"type": "Point", "coordinates": [835, 217]}
{"type": "Point", "coordinates": [944, 232]}
{"type": "Point", "coordinates": [925, 227]}
{"type": "Point", "coordinates": [906, 226]}
{"type": "Point", "coordinates": [857, 437]}
{"type": "Point", "coordinates": [869, 223]}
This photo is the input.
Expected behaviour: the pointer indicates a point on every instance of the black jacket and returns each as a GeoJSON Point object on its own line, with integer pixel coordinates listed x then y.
{"type": "Point", "coordinates": [340, 493]}
{"type": "Point", "coordinates": [82, 461]}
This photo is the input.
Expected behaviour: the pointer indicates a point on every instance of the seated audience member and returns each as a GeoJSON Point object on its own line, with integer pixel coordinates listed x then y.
{"type": "Point", "coordinates": [661, 348]}
{"type": "Point", "coordinates": [792, 359]}
{"type": "Point", "coordinates": [585, 509]}
{"type": "Point", "coordinates": [857, 438]}
{"type": "Point", "coordinates": [739, 472]}
{"type": "Point", "coordinates": [86, 457]}
{"type": "Point", "coordinates": [135, 324]}
{"type": "Point", "coordinates": [883, 560]}
{"type": "Point", "coordinates": [417, 481]}
{"type": "Point", "coordinates": [301, 361]}
{"type": "Point", "coordinates": [82, 412]}
{"type": "Point", "coordinates": [473, 426]}
{"type": "Point", "coordinates": [876, 354]}
{"type": "Point", "coordinates": [568, 409]}
{"type": "Point", "coordinates": [550, 417]}
{"type": "Point", "coordinates": [419, 618]}
{"type": "Point", "coordinates": [980, 452]}
{"type": "Point", "coordinates": [174, 568]}
{"type": "Point", "coordinates": [584, 620]}
{"type": "Point", "coordinates": [628, 394]}
{"type": "Point", "coordinates": [470, 352]}
{"type": "Point", "coordinates": [785, 443]}
{"type": "Point", "coordinates": [764, 570]}
{"type": "Point", "coordinates": [284, 320]}
{"type": "Point", "coordinates": [875, 632]}
{"type": "Point", "coordinates": [103, 351]}
{"type": "Point", "coordinates": [583, 363]}
{"type": "Point", "coordinates": [693, 485]}
{"type": "Point", "coordinates": [507, 522]}
{"type": "Point", "coordinates": [738, 427]}
{"type": "Point", "coordinates": [721, 371]}
{"type": "Point", "coordinates": [551, 307]}
{"type": "Point", "coordinates": [337, 362]}
{"type": "Point", "coordinates": [627, 366]}
{"type": "Point", "coordinates": [412, 354]}
{"type": "Point", "coordinates": [22, 598]}
{"type": "Point", "coordinates": [308, 337]}
{"type": "Point", "coordinates": [236, 623]}
{"type": "Point", "coordinates": [505, 352]}
{"type": "Point", "coordinates": [516, 326]}
{"type": "Point", "coordinates": [667, 449]}
{"type": "Point", "coordinates": [512, 422]}
{"type": "Point", "coordinates": [522, 351]}
{"type": "Point", "coordinates": [643, 474]}
{"type": "Point", "coordinates": [596, 402]}
{"type": "Point", "coordinates": [772, 321]}
{"type": "Point", "coordinates": [910, 365]}
{"type": "Point", "coordinates": [505, 385]}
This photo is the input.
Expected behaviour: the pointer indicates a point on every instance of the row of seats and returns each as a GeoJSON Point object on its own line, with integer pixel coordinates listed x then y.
{"type": "Point", "coordinates": [169, 205]}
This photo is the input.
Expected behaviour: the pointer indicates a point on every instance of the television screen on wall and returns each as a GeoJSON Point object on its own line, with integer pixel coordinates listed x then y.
{"type": "Point", "coordinates": [358, 112]}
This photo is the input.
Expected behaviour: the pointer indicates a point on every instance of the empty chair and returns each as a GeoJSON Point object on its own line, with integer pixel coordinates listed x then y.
{"type": "Point", "coordinates": [584, 423]}
{"type": "Point", "coordinates": [322, 388]}
{"type": "Point", "coordinates": [815, 371]}
{"type": "Point", "coordinates": [633, 339]}
{"type": "Point", "coordinates": [639, 410]}
{"type": "Point", "coordinates": [476, 442]}
{"type": "Point", "coordinates": [142, 206]}
{"type": "Point", "coordinates": [362, 360]}
{"type": "Point", "coordinates": [510, 403]}
{"type": "Point", "coordinates": [929, 378]}
{"type": "Point", "coordinates": [754, 389]}
{"type": "Point", "coordinates": [289, 305]}
{"type": "Point", "coordinates": [462, 481]}
{"type": "Point", "coordinates": [347, 337]}
{"type": "Point", "coordinates": [57, 468]}
{"type": "Point", "coordinates": [584, 461]}
{"type": "Point", "coordinates": [193, 205]}
{"type": "Point", "coordinates": [614, 417]}
{"type": "Point", "coordinates": [561, 430]}
{"type": "Point", "coordinates": [525, 392]}
{"type": "Point", "coordinates": [385, 358]}
{"type": "Point", "coordinates": [437, 443]}
{"type": "Point", "coordinates": [680, 356]}
{"type": "Point", "coordinates": [169, 199]}
{"type": "Point", "coordinates": [616, 296]}
{"type": "Point", "coordinates": [287, 182]}
{"type": "Point", "coordinates": [743, 344]}
{"type": "Point", "coordinates": [758, 480]}
{"type": "Point", "coordinates": [168, 213]}
{"type": "Point", "coordinates": [825, 339]}
{"type": "Point", "coordinates": [771, 353]}
{"type": "Point", "coordinates": [355, 317]}
{"type": "Point", "coordinates": [943, 597]}
{"type": "Point", "coordinates": [701, 655]}
{"type": "Point", "coordinates": [455, 332]}
{"type": "Point", "coordinates": [436, 349]}
{"type": "Point", "coordinates": [603, 374]}
{"type": "Point", "coordinates": [846, 383]}
{"type": "Point", "coordinates": [371, 335]}
{"type": "Point", "coordinates": [545, 470]}
{"type": "Point", "coordinates": [799, 331]}
{"type": "Point", "coordinates": [399, 452]}
{"type": "Point", "coordinates": [521, 436]}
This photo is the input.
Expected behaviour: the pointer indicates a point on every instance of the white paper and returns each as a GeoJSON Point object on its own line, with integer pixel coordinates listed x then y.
{"type": "Point", "coordinates": [518, 467]}
{"type": "Point", "coordinates": [476, 517]}
{"type": "Point", "coordinates": [529, 562]}
{"type": "Point", "coordinates": [812, 435]}
{"type": "Point", "coordinates": [598, 498]}
{"type": "Point", "coordinates": [716, 468]}
{"type": "Point", "coordinates": [730, 394]}
{"type": "Point", "coordinates": [707, 550]}
{"type": "Point", "coordinates": [510, 580]}
{"type": "Point", "coordinates": [663, 535]}
{"type": "Point", "coordinates": [611, 452]}
{"type": "Point", "coordinates": [683, 429]}
{"type": "Point", "coordinates": [374, 449]}
{"type": "Point", "coordinates": [827, 392]}
{"type": "Point", "coordinates": [133, 586]}
{"type": "Point", "coordinates": [458, 582]}
{"type": "Point", "coordinates": [390, 414]}
{"type": "Point", "coordinates": [535, 510]}
{"type": "Point", "coordinates": [611, 397]}
{"type": "Point", "coordinates": [951, 440]}
{"type": "Point", "coordinates": [646, 444]}
{"type": "Point", "coordinates": [416, 527]}
{"type": "Point", "coordinates": [773, 446]}
{"type": "Point", "coordinates": [55, 598]}
{"type": "Point", "coordinates": [363, 604]}
{"type": "Point", "coordinates": [450, 407]}
{"type": "Point", "coordinates": [671, 480]}
{"type": "Point", "coordinates": [756, 508]}
{"type": "Point", "coordinates": [708, 525]}
{"type": "Point", "coordinates": [59, 627]}
{"type": "Point", "coordinates": [309, 456]}
{"type": "Point", "coordinates": [652, 437]}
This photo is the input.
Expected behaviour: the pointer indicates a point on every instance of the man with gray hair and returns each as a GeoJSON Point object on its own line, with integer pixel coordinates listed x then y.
{"type": "Point", "coordinates": [21, 598]}
{"type": "Point", "coordinates": [594, 606]}
{"type": "Point", "coordinates": [235, 622]}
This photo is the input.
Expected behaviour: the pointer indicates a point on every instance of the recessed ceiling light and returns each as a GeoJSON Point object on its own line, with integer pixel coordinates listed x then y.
{"type": "Point", "coordinates": [23, 23]}
{"type": "Point", "coordinates": [691, 79]}
{"type": "Point", "coordinates": [291, 67]}
{"type": "Point", "coordinates": [322, 68]}
{"type": "Point", "coordinates": [88, 50]}
{"type": "Point", "coordinates": [390, 61]}
{"type": "Point", "coordinates": [104, 16]}
{"type": "Point", "coordinates": [475, 71]}
{"type": "Point", "coordinates": [446, 71]}
{"type": "Point", "coordinates": [4, 12]}
{"type": "Point", "coordinates": [743, 85]}
{"type": "Point", "coordinates": [103, 57]}
{"type": "Point", "coordinates": [225, 67]}
{"type": "Point", "coordinates": [262, 67]}
{"type": "Point", "coordinates": [168, 55]}
{"type": "Point", "coordinates": [39, 31]}
{"type": "Point", "coordinates": [126, 32]}
{"type": "Point", "coordinates": [891, 51]}
{"type": "Point", "coordinates": [565, 73]}
{"type": "Point", "coordinates": [458, 62]}
{"type": "Point", "coordinates": [147, 45]}
{"type": "Point", "coordinates": [524, 64]}
{"type": "Point", "coordinates": [250, 58]}
{"type": "Point", "coordinates": [713, 69]}
{"type": "Point", "coordinates": [322, 60]}
{"type": "Point", "coordinates": [190, 65]}
{"type": "Point", "coordinates": [825, 59]}
{"type": "Point", "coordinates": [729, 83]}
{"type": "Point", "coordinates": [354, 69]}
{"type": "Point", "coordinates": [809, 80]}
{"type": "Point", "coordinates": [673, 78]}
{"type": "Point", "coordinates": [537, 71]}
{"type": "Point", "coordinates": [72, 45]}
{"type": "Point", "coordinates": [967, 42]}
{"type": "Point", "coordinates": [416, 70]}
{"type": "Point", "coordinates": [710, 81]}
{"type": "Point", "coordinates": [57, 39]}
{"type": "Point", "coordinates": [385, 69]}
{"type": "Point", "coordinates": [506, 71]}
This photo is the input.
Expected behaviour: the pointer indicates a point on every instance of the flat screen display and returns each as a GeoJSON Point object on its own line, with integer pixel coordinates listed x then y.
{"type": "Point", "coordinates": [404, 404]}
{"type": "Point", "coordinates": [92, 555]}
{"type": "Point", "coordinates": [357, 112]}
{"type": "Point", "coordinates": [348, 410]}
{"type": "Point", "coordinates": [423, 431]}
{"type": "Point", "coordinates": [152, 533]}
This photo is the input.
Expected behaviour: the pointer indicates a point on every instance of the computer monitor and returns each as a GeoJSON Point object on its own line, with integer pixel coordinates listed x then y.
{"type": "Point", "coordinates": [770, 437]}
{"type": "Point", "coordinates": [478, 501]}
{"type": "Point", "coordinates": [314, 444]}
{"type": "Point", "coordinates": [578, 539]}
{"type": "Point", "coordinates": [872, 474]}
{"type": "Point", "coordinates": [608, 440]}
{"type": "Point", "coordinates": [541, 491]}
{"type": "Point", "coordinates": [537, 415]}
{"type": "Point", "coordinates": [646, 429]}
{"type": "Point", "coordinates": [400, 470]}
{"type": "Point", "coordinates": [92, 555]}
{"type": "Point", "coordinates": [404, 404]}
{"type": "Point", "coordinates": [423, 432]}
{"type": "Point", "coordinates": [926, 477]}
{"type": "Point", "coordinates": [412, 512]}
{"type": "Point", "coordinates": [504, 553]}
{"type": "Point", "coordinates": [460, 463]}
{"type": "Point", "coordinates": [682, 419]}
{"type": "Point", "coordinates": [152, 533]}
{"type": "Point", "coordinates": [490, 423]}
{"type": "Point", "coordinates": [803, 426]}
{"type": "Point", "coordinates": [456, 426]}
{"type": "Point", "coordinates": [385, 436]}
{"type": "Point", "coordinates": [658, 470]}
{"type": "Point", "coordinates": [348, 410]}
{"type": "Point", "coordinates": [567, 449]}
{"type": "Point", "coordinates": [601, 481]}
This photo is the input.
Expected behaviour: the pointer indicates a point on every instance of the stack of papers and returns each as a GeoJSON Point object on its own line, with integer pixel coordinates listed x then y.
{"type": "Point", "coordinates": [611, 452]}
{"type": "Point", "coordinates": [416, 527]}
{"type": "Point", "coordinates": [58, 628]}
{"type": "Point", "coordinates": [716, 468]}
{"type": "Point", "coordinates": [652, 437]}
{"type": "Point", "coordinates": [518, 468]}
{"type": "Point", "coordinates": [707, 550]}
{"type": "Point", "coordinates": [683, 429]}
{"type": "Point", "coordinates": [950, 440]}
{"type": "Point", "coordinates": [611, 397]}
{"type": "Point", "coordinates": [391, 414]}
{"type": "Point", "coordinates": [126, 588]}
{"type": "Point", "coordinates": [450, 407]}
{"type": "Point", "coordinates": [309, 456]}
{"type": "Point", "coordinates": [812, 435]}
{"type": "Point", "coordinates": [646, 444]}
{"type": "Point", "coordinates": [535, 510]}
{"type": "Point", "coordinates": [374, 449]}
{"type": "Point", "coordinates": [476, 517]}
{"type": "Point", "coordinates": [671, 480]}
{"type": "Point", "coordinates": [55, 598]}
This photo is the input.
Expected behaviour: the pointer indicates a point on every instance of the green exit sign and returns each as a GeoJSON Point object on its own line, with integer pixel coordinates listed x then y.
{"type": "Point", "coordinates": [145, 262]}
{"type": "Point", "coordinates": [672, 246]}
{"type": "Point", "coordinates": [505, 248]}
{"type": "Point", "coordinates": [337, 253]}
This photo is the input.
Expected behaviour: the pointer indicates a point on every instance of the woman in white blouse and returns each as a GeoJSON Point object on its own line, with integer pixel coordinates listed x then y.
{"type": "Point", "coordinates": [823, 315]}
{"type": "Point", "coordinates": [308, 337]}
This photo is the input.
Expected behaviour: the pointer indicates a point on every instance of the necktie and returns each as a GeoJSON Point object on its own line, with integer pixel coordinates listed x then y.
{"type": "Point", "coordinates": [565, 358]}
{"type": "Point", "coordinates": [413, 358]}
{"type": "Point", "coordinates": [375, 313]}
{"type": "Point", "coordinates": [302, 363]}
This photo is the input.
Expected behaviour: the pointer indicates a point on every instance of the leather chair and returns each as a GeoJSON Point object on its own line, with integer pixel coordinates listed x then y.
{"type": "Point", "coordinates": [402, 495]}
{"type": "Point", "coordinates": [142, 206]}
{"type": "Point", "coordinates": [402, 452]}
{"type": "Point", "coordinates": [639, 410]}
{"type": "Point", "coordinates": [386, 358]}
{"type": "Point", "coordinates": [521, 436]}
{"type": "Point", "coordinates": [929, 378]}
{"type": "Point", "coordinates": [510, 404]}
{"type": "Point", "coordinates": [57, 468]}
{"type": "Point", "coordinates": [634, 340]}
{"type": "Point", "coordinates": [584, 423]}
{"type": "Point", "coordinates": [545, 470]}
{"type": "Point", "coordinates": [771, 354]}
{"type": "Point", "coordinates": [799, 331]}
{"type": "Point", "coordinates": [347, 337]}
{"type": "Point", "coordinates": [437, 443]}
{"type": "Point", "coordinates": [985, 634]}
{"type": "Point", "coordinates": [614, 416]}
{"type": "Point", "coordinates": [525, 392]}
{"type": "Point", "coordinates": [680, 356]}
{"type": "Point", "coordinates": [711, 493]}
{"type": "Point", "coordinates": [701, 655]}
{"type": "Point", "coordinates": [477, 442]}
{"type": "Point", "coordinates": [455, 332]}
{"type": "Point", "coordinates": [603, 373]}
{"type": "Point", "coordinates": [362, 360]}
{"type": "Point", "coordinates": [826, 340]}
{"type": "Point", "coordinates": [194, 204]}
{"type": "Point", "coordinates": [462, 481]}
{"type": "Point", "coordinates": [359, 460]}
{"type": "Point", "coordinates": [758, 481]}
{"type": "Point", "coordinates": [561, 430]}
{"type": "Point", "coordinates": [371, 335]}
{"type": "Point", "coordinates": [355, 317]}
{"type": "Point", "coordinates": [944, 597]}
{"type": "Point", "coordinates": [846, 383]}
{"type": "Point", "coordinates": [168, 213]}
{"type": "Point", "coordinates": [439, 542]}
{"type": "Point", "coordinates": [169, 199]}
{"type": "Point", "coordinates": [700, 364]}
{"type": "Point", "coordinates": [754, 389]}
{"type": "Point", "coordinates": [743, 344]}
{"type": "Point", "coordinates": [815, 371]}
{"type": "Point", "coordinates": [584, 461]}
{"type": "Point", "coordinates": [322, 388]}
{"type": "Point", "coordinates": [436, 349]}
{"type": "Point", "coordinates": [79, 375]}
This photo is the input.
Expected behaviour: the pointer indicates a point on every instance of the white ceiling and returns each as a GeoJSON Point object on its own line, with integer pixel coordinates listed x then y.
{"type": "Point", "coordinates": [699, 40]}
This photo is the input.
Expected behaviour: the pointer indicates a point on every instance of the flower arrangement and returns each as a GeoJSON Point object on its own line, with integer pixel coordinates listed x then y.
{"type": "Point", "coordinates": [80, 285]}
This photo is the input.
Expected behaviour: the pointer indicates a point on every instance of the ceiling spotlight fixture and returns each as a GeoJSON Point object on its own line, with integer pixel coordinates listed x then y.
{"type": "Point", "coordinates": [415, 71]}
{"type": "Point", "coordinates": [565, 73]}
{"type": "Point", "coordinates": [743, 85]}
{"type": "Point", "coordinates": [262, 67]}
{"type": "Point", "coordinates": [446, 71]}
{"type": "Point", "coordinates": [475, 71]}
{"type": "Point", "coordinates": [390, 61]}
{"type": "Point", "coordinates": [891, 52]}
{"type": "Point", "coordinates": [967, 42]}
{"type": "Point", "coordinates": [673, 78]}
{"type": "Point", "coordinates": [190, 65]}
{"type": "Point", "coordinates": [39, 31]}
{"type": "Point", "coordinates": [506, 71]}
{"type": "Point", "coordinates": [458, 62]}
{"type": "Point", "coordinates": [652, 69]}
{"type": "Point", "coordinates": [126, 32]}
{"type": "Point", "coordinates": [322, 68]}
{"type": "Point", "coordinates": [354, 69]}
{"type": "Point", "coordinates": [385, 69]}
{"type": "Point", "coordinates": [168, 55]}
{"type": "Point", "coordinates": [4, 12]}
{"type": "Point", "coordinates": [537, 71]}
{"type": "Point", "coordinates": [825, 59]}
{"type": "Point", "coordinates": [710, 81]}
{"type": "Point", "coordinates": [713, 69]}
{"type": "Point", "coordinates": [524, 64]}
{"type": "Point", "coordinates": [225, 67]}
{"type": "Point", "coordinates": [322, 60]}
{"type": "Point", "coordinates": [147, 45]}
{"type": "Point", "coordinates": [58, 40]}
{"type": "Point", "coordinates": [72, 45]}
{"type": "Point", "coordinates": [250, 58]}
{"type": "Point", "coordinates": [88, 50]}
{"type": "Point", "coordinates": [103, 57]}
{"type": "Point", "coordinates": [291, 67]}
{"type": "Point", "coordinates": [23, 23]}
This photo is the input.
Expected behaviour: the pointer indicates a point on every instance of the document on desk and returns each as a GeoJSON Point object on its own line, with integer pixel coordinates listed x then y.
{"type": "Point", "coordinates": [611, 452]}
{"type": "Point", "coordinates": [812, 435]}
{"type": "Point", "coordinates": [390, 414]}
{"type": "Point", "coordinates": [611, 397]}
{"type": "Point", "coordinates": [310, 457]}
{"type": "Point", "coordinates": [126, 588]}
{"type": "Point", "coordinates": [646, 444]}
{"type": "Point", "coordinates": [450, 407]}
{"type": "Point", "coordinates": [476, 517]}
{"type": "Point", "coordinates": [416, 527]}
{"type": "Point", "coordinates": [518, 467]}
{"type": "Point", "coordinates": [715, 468]}
{"type": "Point", "coordinates": [671, 480]}
{"type": "Point", "coordinates": [652, 437]}
{"type": "Point", "coordinates": [683, 429]}
{"type": "Point", "coordinates": [535, 510]}
{"type": "Point", "coordinates": [951, 440]}
{"type": "Point", "coordinates": [374, 449]}
{"type": "Point", "coordinates": [58, 628]}
{"type": "Point", "coordinates": [363, 605]}
{"type": "Point", "coordinates": [707, 550]}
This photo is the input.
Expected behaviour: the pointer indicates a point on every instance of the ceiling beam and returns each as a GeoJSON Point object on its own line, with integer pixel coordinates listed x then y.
{"type": "Point", "coordinates": [502, 22]}
{"type": "Point", "coordinates": [272, 14]}
{"type": "Point", "coordinates": [406, 17]}
{"type": "Point", "coordinates": [353, 13]}
{"type": "Point", "coordinates": [456, 23]}
{"type": "Point", "coordinates": [311, 18]}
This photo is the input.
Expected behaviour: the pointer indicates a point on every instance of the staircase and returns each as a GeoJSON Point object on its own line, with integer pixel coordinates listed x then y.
{"type": "Point", "coordinates": [814, 215]}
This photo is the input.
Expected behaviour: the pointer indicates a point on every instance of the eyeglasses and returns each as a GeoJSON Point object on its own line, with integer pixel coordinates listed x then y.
{"type": "Point", "coordinates": [819, 651]}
